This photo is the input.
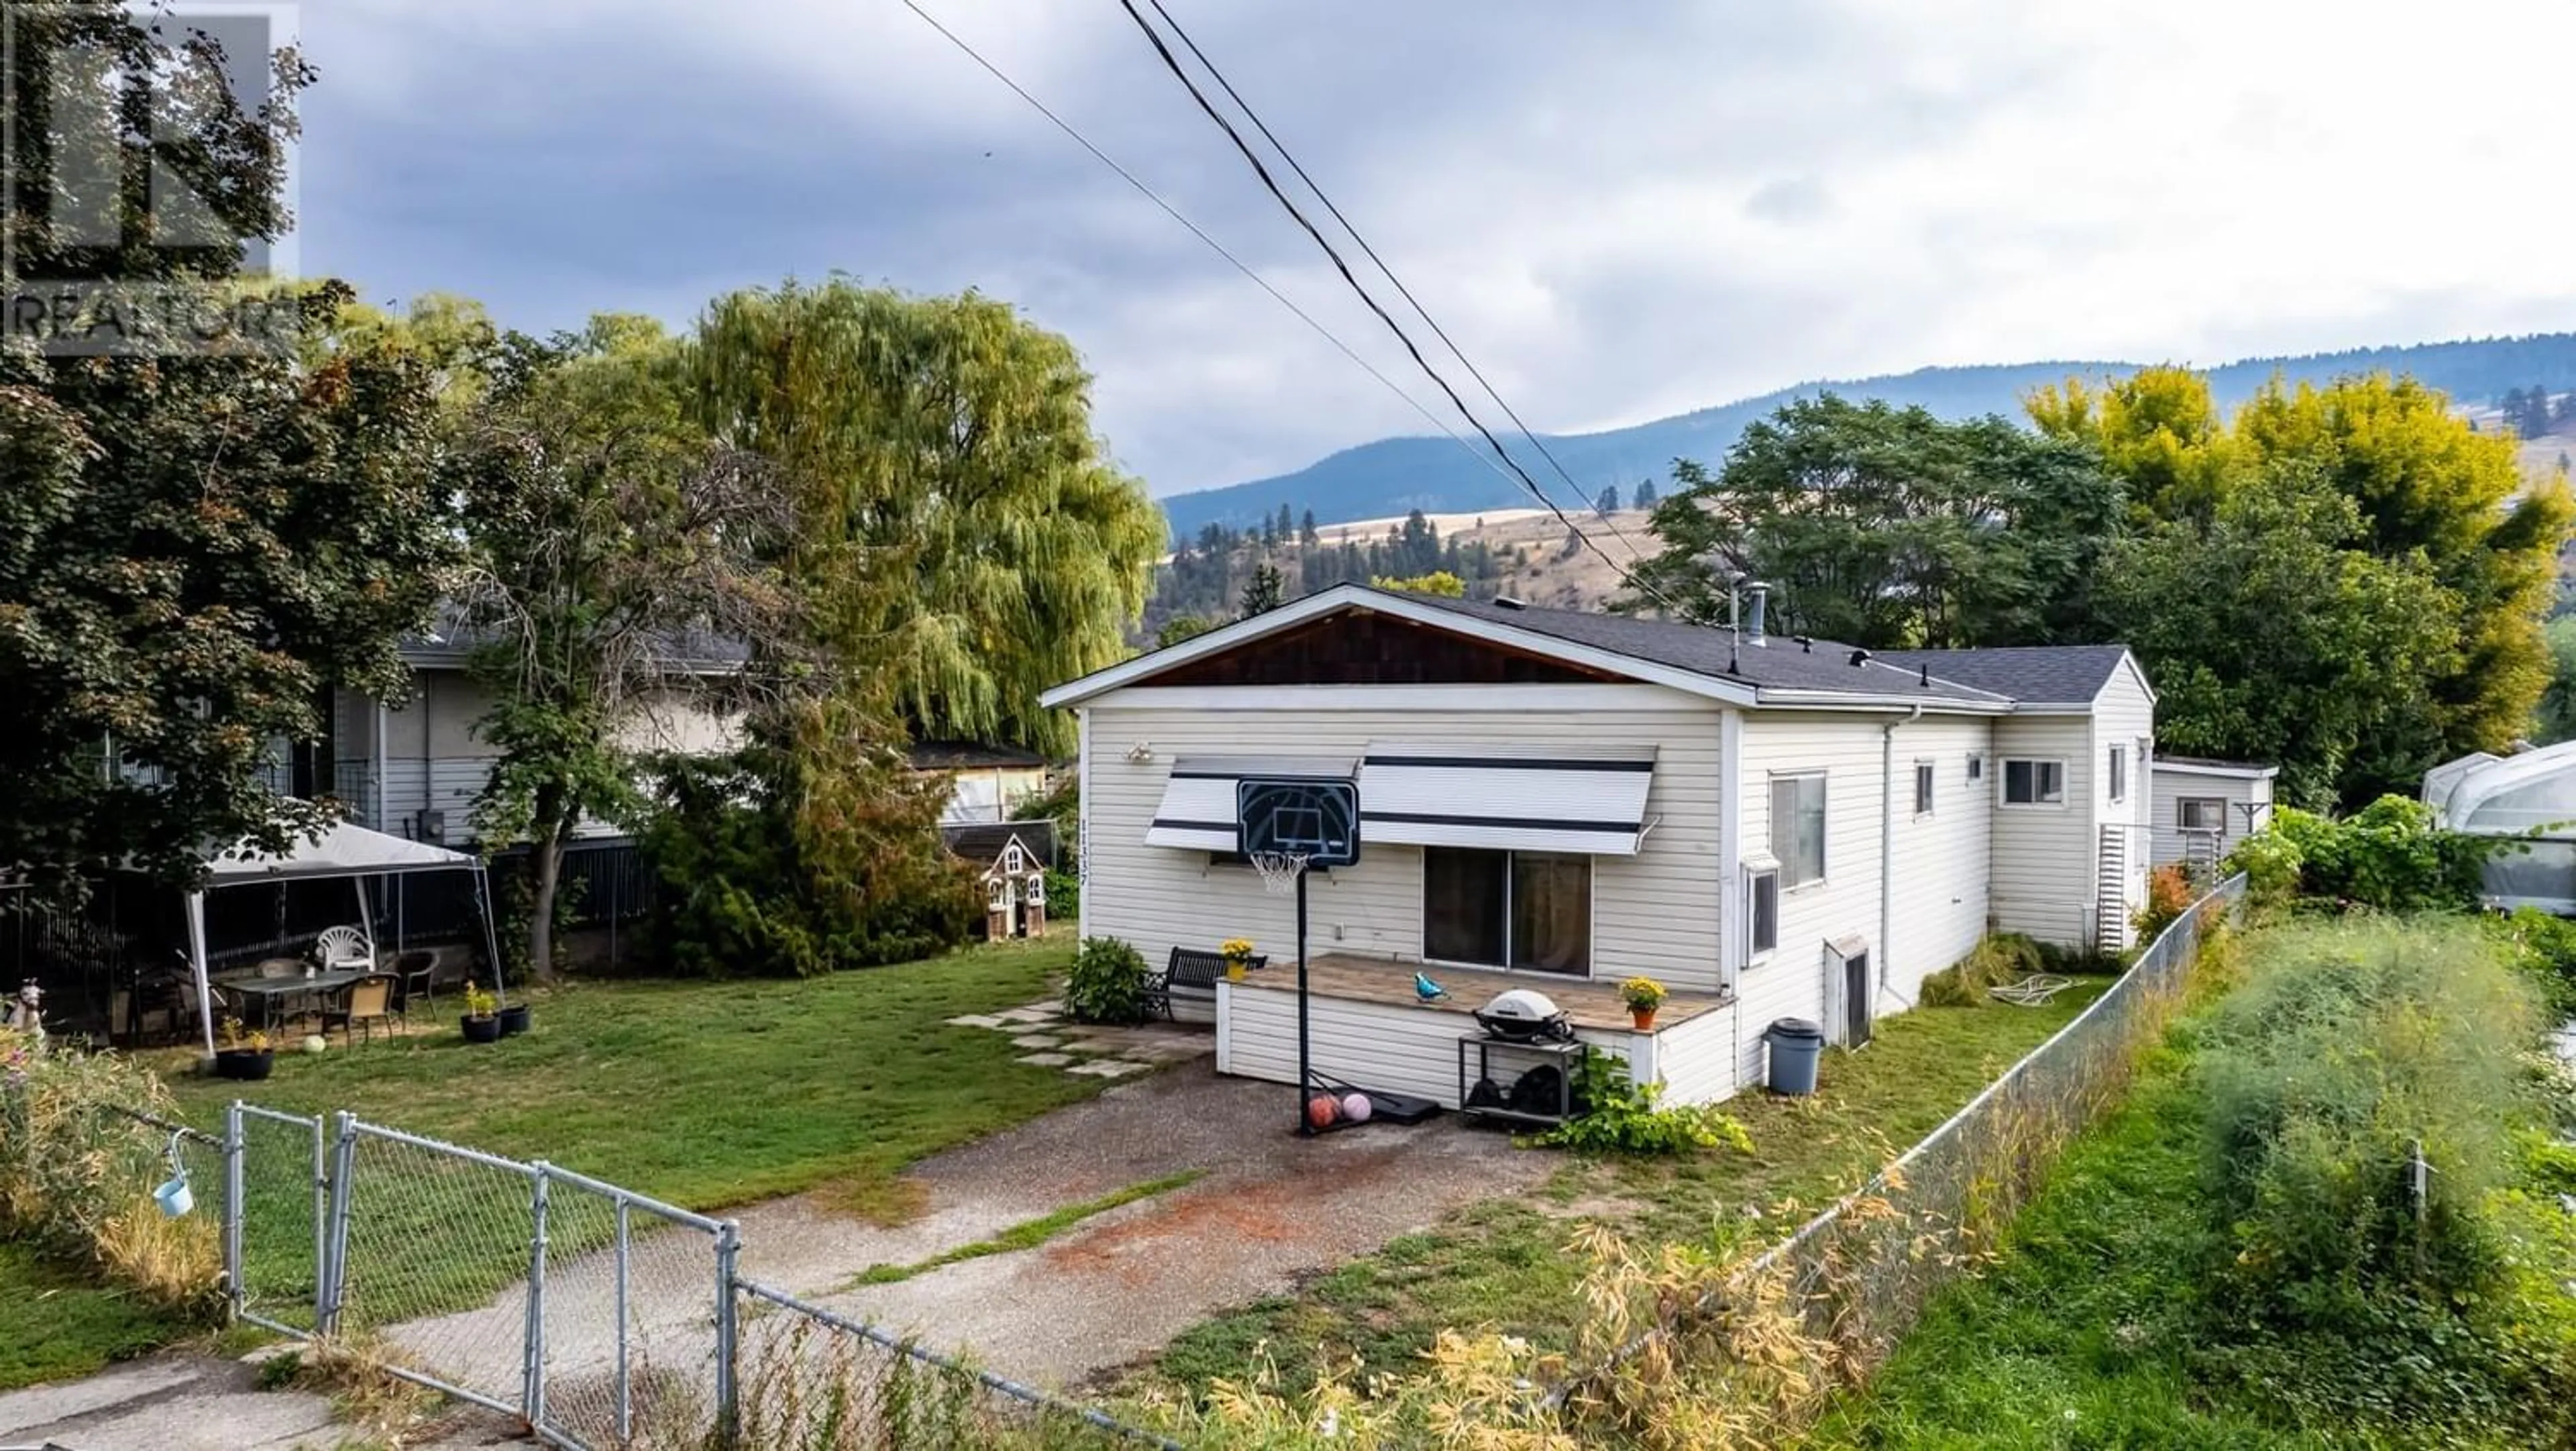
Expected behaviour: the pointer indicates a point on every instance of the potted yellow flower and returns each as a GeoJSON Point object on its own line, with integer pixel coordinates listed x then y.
{"type": "Point", "coordinates": [1642, 995]}
{"type": "Point", "coordinates": [1237, 952]}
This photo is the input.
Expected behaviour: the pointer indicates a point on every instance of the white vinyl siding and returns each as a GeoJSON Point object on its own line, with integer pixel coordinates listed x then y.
{"type": "Point", "coordinates": [1657, 912]}
{"type": "Point", "coordinates": [2043, 856]}
{"type": "Point", "coordinates": [1397, 1049]}
{"type": "Point", "coordinates": [1937, 909]}
{"type": "Point", "coordinates": [2174, 786]}
{"type": "Point", "coordinates": [2124, 720]}
{"type": "Point", "coordinates": [1845, 750]}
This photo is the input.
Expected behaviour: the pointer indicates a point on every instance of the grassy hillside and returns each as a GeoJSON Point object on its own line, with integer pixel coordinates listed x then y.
{"type": "Point", "coordinates": [1392, 476]}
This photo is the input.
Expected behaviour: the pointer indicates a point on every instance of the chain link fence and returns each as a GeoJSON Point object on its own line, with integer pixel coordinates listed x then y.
{"type": "Point", "coordinates": [1853, 1279]}
{"type": "Point", "coordinates": [592, 1315]}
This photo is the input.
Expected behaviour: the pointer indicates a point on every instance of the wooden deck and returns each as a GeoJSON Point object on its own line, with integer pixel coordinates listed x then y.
{"type": "Point", "coordinates": [1586, 1002]}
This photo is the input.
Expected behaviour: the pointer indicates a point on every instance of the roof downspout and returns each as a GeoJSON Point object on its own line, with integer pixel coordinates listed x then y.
{"type": "Point", "coordinates": [379, 822]}
{"type": "Point", "coordinates": [1887, 840]}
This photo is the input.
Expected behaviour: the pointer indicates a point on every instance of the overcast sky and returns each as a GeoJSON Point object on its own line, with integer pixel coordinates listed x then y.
{"type": "Point", "coordinates": [1620, 211]}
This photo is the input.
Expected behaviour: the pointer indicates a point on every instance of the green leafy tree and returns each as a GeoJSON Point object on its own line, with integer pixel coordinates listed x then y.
{"type": "Point", "coordinates": [2555, 720]}
{"type": "Point", "coordinates": [193, 547]}
{"type": "Point", "coordinates": [616, 557]}
{"type": "Point", "coordinates": [1179, 628]}
{"type": "Point", "coordinates": [1262, 593]}
{"type": "Point", "coordinates": [2271, 638]}
{"type": "Point", "coordinates": [1438, 582]}
{"type": "Point", "coordinates": [956, 441]}
{"type": "Point", "coordinates": [2158, 431]}
{"type": "Point", "coordinates": [1889, 527]}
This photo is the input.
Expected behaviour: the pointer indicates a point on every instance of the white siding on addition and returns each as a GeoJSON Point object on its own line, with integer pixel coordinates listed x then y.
{"type": "Point", "coordinates": [2124, 718]}
{"type": "Point", "coordinates": [1656, 912]}
{"type": "Point", "coordinates": [2044, 856]}
{"type": "Point", "coordinates": [1937, 910]}
{"type": "Point", "coordinates": [1370, 1045]}
{"type": "Point", "coordinates": [1790, 983]}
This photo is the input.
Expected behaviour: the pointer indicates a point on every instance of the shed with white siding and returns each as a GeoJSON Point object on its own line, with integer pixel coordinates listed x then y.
{"type": "Point", "coordinates": [1773, 827]}
{"type": "Point", "coordinates": [2204, 807]}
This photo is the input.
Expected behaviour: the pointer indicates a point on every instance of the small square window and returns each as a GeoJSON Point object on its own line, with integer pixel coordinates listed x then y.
{"type": "Point", "coordinates": [1923, 788]}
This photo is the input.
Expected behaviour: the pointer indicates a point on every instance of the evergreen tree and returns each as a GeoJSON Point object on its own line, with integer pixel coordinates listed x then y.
{"type": "Point", "coordinates": [1646, 495]}
{"type": "Point", "coordinates": [1287, 529]}
{"type": "Point", "coordinates": [1269, 533]}
{"type": "Point", "coordinates": [1306, 534]}
{"type": "Point", "coordinates": [1608, 503]}
{"type": "Point", "coordinates": [1264, 592]}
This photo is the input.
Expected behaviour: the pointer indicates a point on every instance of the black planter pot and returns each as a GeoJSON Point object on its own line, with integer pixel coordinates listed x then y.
{"type": "Point", "coordinates": [514, 1021]}
{"type": "Point", "coordinates": [245, 1064]}
{"type": "Point", "coordinates": [481, 1030]}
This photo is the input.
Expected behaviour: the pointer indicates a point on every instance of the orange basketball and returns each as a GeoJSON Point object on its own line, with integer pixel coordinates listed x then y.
{"type": "Point", "coordinates": [1321, 1110]}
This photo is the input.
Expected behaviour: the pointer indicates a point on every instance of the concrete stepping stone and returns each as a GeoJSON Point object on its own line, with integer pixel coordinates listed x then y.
{"type": "Point", "coordinates": [1109, 1068]}
{"type": "Point", "coordinates": [1049, 1060]}
{"type": "Point", "coordinates": [1037, 1040]}
{"type": "Point", "coordinates": [975, 1020]}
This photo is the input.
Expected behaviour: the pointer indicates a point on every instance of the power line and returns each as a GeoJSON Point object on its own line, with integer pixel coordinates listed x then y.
{"type": "Point", "coordinates": [1405, 292]}
{"type": "Point", "coordinates": [1260, 169]}
{"type": "Point", "coordinates": [1105, 159]}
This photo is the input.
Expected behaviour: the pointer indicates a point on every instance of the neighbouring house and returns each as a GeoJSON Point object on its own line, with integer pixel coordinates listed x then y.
{"type": "Point", "coordinates": [2204, 807]}
{"type": "Point", "coordinates": [2529, 795]}
{"type": "Point", "coordinates": [990, 781]}
{"type": "Point", "coordinates": [1772, 827]}
{"type": "Point", "coordinates": [415, 770]}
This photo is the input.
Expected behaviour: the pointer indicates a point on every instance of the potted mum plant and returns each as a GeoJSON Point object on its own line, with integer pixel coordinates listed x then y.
{"type": "Point", "coordinates": [1237, 952]}
{"type": "Point", "coordinates": [245, 1056]}
{"type": "Point", "coordinates": [1642, 995]}
{"type": "Point", "coordinates": [480, 1023]}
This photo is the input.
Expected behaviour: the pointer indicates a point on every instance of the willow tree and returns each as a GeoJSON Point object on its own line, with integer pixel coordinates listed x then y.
{"type": "Point", "coordinates": [964, 528]}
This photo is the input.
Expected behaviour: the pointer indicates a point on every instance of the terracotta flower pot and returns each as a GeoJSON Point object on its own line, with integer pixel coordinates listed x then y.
{"type": "Point", "coordinates": [1645, 1018]}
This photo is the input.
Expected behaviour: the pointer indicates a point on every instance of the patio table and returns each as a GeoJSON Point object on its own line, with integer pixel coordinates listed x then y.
{"type": "Point", "coordinates": [271, 993]}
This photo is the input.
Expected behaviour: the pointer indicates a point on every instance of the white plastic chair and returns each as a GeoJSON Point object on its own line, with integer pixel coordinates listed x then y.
{"type": "Point", "coordinates": [344, 947]}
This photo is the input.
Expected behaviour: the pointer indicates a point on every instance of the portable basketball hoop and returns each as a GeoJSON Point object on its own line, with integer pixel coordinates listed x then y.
{"type": "Point", "coordinates": [1289, 827]}
{"type": "Point", "coordinates": [1280, 870]}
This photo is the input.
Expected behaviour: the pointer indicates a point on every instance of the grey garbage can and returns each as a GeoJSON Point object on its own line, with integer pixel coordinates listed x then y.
{"type": "Point", "coordinates": [1795, 1044]}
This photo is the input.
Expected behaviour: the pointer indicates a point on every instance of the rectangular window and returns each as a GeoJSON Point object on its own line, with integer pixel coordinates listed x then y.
{"type": "Point", "coordinates": [1517, 909]}
{"type": "Point", "coordinates": [2201, 813]}
{"type": "Point", "coordinates": [1762, 910]}
{"type": "Point", "coordinates": [2119, 773]}
{"type": "Point", "coordinates": [2034, 783]}
{"type": "Point", "coordinates": [1923, 788]}
{"type": "Point", "coordinates": [1798, 828]}
{"type": "Point", "coordinates": [1976, 768]}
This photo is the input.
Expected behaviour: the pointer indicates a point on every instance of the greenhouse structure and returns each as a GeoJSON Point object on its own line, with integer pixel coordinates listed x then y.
{"type": "Point", "coordinates": [2530, 794]}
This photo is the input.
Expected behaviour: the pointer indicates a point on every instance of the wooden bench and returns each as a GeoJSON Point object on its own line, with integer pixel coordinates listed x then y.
{"type": "Point", "coordinates": [1190, 974]}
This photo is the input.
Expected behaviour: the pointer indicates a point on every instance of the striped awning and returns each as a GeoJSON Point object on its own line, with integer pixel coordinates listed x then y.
{"type": "Point", "coordinates": [1506, 797]}
{"type": "Point", "coordinates": [1199, 811]}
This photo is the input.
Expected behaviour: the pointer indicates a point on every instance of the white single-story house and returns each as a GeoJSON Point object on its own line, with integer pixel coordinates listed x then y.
{"type": "Point", "coordinates": [2204, 807]}
{"type": "Point", "coordinates": [2529, 795]}
{"type": "Point", "coordinates": [1771, 827]}
{"type": "Point", "coordinates": [990, 782]}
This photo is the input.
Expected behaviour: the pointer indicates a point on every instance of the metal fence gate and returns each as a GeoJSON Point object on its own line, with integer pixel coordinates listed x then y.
{"type": "Point", "coordinates": [596, 1316]}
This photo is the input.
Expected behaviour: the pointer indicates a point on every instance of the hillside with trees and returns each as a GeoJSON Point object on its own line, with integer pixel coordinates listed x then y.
{"type": "Point", "coordinates": [1434, 475]}
{"type": "Point", "coordinates": [1223, 574]}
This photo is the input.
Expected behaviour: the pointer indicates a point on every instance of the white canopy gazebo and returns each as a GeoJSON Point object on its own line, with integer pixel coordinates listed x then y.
{"type": "Point", "coordinates": [2530, 796]}
{"type": "Point", "coordinates": [343, 850]}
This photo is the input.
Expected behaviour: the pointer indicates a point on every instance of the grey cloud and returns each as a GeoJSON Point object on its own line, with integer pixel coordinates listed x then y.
{"type": "Point", "coordinates": [1790, 200]}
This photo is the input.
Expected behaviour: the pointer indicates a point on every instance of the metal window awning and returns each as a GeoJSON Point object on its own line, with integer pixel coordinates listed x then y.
{"type": "Point", "coordinates": [1198, 812]}
{"type": "Point", "coordinates": [1507, 798]}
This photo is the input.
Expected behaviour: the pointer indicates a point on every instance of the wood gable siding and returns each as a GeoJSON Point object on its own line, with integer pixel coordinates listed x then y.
{"type": "Point", "coordinates": [1656, 912]}
{"type": "Point", "coordinates": [1357, 647]}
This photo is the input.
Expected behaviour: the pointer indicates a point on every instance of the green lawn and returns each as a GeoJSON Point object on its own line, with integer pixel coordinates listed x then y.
{"type": "Point", "coordinates": [1503, 1263]}
{"type": "Point", "coordinates": [55, 1324]}
{"type": "Point", "coordinates": [707, 1095]}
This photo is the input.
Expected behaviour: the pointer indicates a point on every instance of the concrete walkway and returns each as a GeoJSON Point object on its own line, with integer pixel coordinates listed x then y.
{"type": "Point", "coordinates": [199, 1403]}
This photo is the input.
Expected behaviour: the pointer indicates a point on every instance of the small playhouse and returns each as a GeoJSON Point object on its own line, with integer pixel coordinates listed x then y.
{"type": "Point", "coordinates": [2529, 795]}
{"type": "Point", "coordinates": [1012, 858]}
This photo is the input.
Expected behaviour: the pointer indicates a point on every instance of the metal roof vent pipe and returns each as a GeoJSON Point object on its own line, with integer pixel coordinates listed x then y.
{"type": "Point", "coordinates": [1757, 597]}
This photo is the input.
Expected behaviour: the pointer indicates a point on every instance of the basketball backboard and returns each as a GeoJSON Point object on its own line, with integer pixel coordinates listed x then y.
{"type": "Point", "coordinates": [1319, 820]}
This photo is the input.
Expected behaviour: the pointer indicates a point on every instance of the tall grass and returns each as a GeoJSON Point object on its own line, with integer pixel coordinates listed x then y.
{"type": "Point", "coordinates": [76, 1175]}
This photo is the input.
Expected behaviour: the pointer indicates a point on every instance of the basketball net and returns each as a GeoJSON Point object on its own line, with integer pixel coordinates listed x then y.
{"type": "Point", "coordinates": [1279, 870]}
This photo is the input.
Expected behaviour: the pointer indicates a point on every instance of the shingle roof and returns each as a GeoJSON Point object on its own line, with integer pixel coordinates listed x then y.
{"type": "Point", "coordinates": [981, 842]}
{"type": "Point", "coordinates": [2043, 674]}
{"type": "Point", "coordinates": [1780, 663]}
{"type": "Point", "coordinates": [964, 755]}
{"type": "Point", "coordinates": [451, 641]}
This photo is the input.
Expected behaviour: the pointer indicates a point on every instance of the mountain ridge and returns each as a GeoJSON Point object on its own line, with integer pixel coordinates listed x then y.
{"type": "Point", "coordinates": [1392, 476]}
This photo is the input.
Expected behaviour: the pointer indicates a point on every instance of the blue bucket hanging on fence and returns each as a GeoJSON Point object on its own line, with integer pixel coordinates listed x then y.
{"type": "Point", "coordinates": [174, 1195]}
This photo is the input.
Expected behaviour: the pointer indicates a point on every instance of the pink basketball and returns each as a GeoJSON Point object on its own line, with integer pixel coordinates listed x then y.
{"type": "Point", "coordinates": [1356, 1108]}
